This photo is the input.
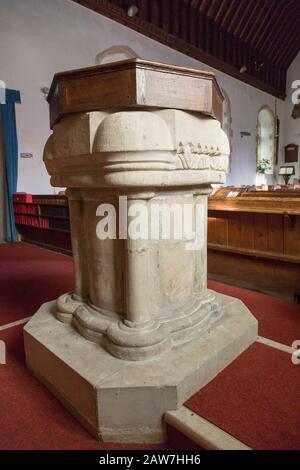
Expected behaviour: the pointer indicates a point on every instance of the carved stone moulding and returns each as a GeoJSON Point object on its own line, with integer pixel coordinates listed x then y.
{"type": "Point", "coordinates": [143, 340]}
{"type": "Point", "coordinates": [137, 149]}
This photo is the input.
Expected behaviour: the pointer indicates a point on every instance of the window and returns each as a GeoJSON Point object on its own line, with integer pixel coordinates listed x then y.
{"type": "Point", "coordinates": [265, 146]}
{"type": "Point", "coordinates": [115, 53]}
{"type": "Point", "coordinates": [227, 121]}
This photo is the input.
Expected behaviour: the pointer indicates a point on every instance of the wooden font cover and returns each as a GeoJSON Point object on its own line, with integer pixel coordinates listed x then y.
{"type": "Point", "coordinates": [134, 83]}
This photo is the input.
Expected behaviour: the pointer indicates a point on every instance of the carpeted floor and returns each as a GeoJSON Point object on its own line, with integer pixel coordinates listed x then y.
{"type": "Point", "coordinates": [278, 319]}
{"type": "Point", "coordinates": [30, 276]}
{"type": "Point", "coordinates": [256, 399]}
{"type": "Point", "coordinates": [30, 417]}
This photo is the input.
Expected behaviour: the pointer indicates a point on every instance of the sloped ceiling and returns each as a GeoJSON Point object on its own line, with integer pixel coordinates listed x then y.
{"type": "Point", "coordinates": [262, 36]}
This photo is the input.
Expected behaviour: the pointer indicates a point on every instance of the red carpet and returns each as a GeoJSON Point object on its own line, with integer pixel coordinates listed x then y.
{"type": "Point", "coordinates": [255, 399]}
{"type": "Point", "coordinates": [30, 276]}
{"type": "Point", "coordinates": [30, 417]}
{"type": "Point", "coordinates": [263, 410]}
{"type": "Point", "coordinates": [278, 319]}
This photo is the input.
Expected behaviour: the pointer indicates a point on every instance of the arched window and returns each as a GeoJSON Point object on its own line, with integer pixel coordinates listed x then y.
{"type": "Point", "coordinates": [265, 146]}
{"type": "Point", "coordinates": [227, 121]}
{"type": "Point", "coordinates": [115, 53]}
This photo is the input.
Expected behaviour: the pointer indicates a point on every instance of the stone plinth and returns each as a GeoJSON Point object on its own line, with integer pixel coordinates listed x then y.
{"type": "Point", "coordinates": [141, 332]}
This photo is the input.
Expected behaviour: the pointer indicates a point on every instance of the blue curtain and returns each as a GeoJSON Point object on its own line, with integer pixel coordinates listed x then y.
{"type": "Point", "coordinates": [10, 150]}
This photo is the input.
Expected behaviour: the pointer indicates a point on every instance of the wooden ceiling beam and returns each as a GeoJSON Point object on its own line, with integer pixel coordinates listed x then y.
{"type": "Point", "coordinates": [254, 8]}
{"type": "Point", "coordinates": [175, 28]}
{"type": "Point", "coordinates": [238, 16]}
{"type": "Point", "coordinates": [185, 29]}
{"type": "Point", "coordinates": [244, 20]}
{"type": "Point", "coordinates": [154, 8]}
{"type": "Point", "coordinates": [261, 23]}
{"type": "Point", "coordinates": [281, 31]}
{"type": "Point", "coordinates": [281, 56]}
{"type": "Point", "coordinates": [204, 6]}
{"type": "Point", "coordinates": [213, 9]}
{"type": "Point", "coordinates": [259, 18]}
{"type": "Point", "coordinates": [281, 39]}
{"type": "Point", "coordinates": [221, 11]}
{"type": "Point", "coordinates": [266, 25]}
{"type": "Point", "coordinates": [279, 35]}
{"type": "Point", "coordinates": [119, 3]}
{"type": "Point", "coordinates": [201, 30]}
{"type": "Point", "coordinates": [166, 16]}
{"type": "Point", "coordinates": [233, 5]}
{"type": "Point", "coordinates": [265, 41]}
{"type": "Point", "coordinates": [144, 9]}
{"type": "Point", "coordinates": [195, 3]}
{"type": "Point", "coordinates": [291, 57]}
{"type": "Point", "coordinates": [295, 45]}
{"type": "Point", "coordinates": [193, 15]}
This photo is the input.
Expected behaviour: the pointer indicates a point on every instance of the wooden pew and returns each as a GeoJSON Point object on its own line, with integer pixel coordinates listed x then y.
{"type": "Point", "coordinates": [254, 237]}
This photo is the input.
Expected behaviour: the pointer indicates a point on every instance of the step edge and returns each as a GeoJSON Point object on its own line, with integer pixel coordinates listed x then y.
{"type": "Point", "coordinates": [201, 431]}
{"type": "Point", "coordinates": [275, 344]}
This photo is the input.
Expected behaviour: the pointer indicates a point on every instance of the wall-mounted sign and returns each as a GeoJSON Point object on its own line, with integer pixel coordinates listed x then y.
{"type": "Point", "coordinates": [26, 155]}
{"type": "Point", "coordinates": [291, 153]}
{"type": "Point", "coordinates": [296, 111]}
